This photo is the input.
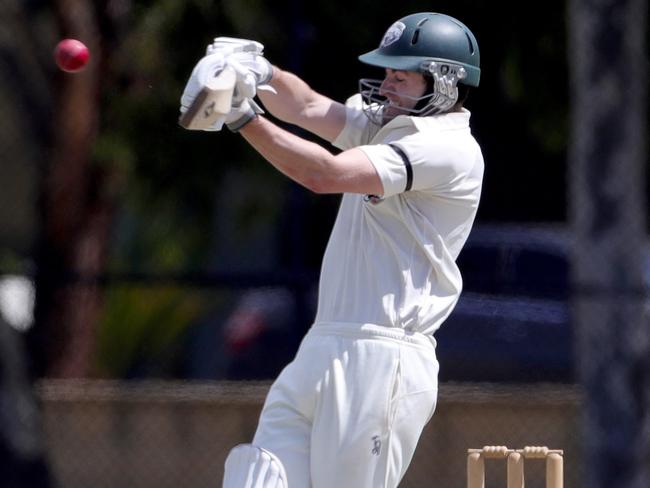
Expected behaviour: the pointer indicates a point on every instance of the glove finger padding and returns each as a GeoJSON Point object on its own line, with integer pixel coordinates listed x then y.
{"type": "Point", "coordinates": [257, 64]}
{"type": "Point", "coordinates": [245, 86]}
{"type": "Point", "coordinates": [234, 45]}
{"type": "Point", "coordinates": [208, 67]}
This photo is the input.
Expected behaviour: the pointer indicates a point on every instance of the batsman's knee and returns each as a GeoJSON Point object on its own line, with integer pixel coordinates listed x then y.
{"type": "Point", "coordinates": [249, 466]}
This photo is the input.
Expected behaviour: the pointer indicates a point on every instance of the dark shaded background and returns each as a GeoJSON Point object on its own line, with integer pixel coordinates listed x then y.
{"type": "Point", "coordinates": [118, 196]}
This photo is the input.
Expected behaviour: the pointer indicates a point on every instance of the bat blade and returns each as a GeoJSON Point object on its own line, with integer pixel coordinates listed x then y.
{"type": "Point", "coordinates": [213, 101]}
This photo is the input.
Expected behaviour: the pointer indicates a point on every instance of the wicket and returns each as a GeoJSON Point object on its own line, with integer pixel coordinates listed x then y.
{"type": "Point", "coordinates": [515, 464]}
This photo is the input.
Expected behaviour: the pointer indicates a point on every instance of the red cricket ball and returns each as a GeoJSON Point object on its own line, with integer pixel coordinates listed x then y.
{"type": "Point", "coordinates": [71, 55]}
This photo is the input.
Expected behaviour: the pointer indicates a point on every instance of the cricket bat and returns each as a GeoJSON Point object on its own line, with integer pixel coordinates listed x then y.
{"type": "Point", "coordinates": [213, 101]}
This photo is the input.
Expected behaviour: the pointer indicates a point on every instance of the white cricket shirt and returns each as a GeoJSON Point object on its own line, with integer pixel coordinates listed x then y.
{"type": "Point", "coordinates": [392, 261]}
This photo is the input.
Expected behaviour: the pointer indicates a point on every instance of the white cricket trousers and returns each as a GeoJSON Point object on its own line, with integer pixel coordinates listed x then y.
{"type": "Point", "coordinates": [348, 411]}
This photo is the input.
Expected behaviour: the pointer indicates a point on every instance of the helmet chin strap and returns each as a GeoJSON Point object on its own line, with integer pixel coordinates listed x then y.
{"type": "Point", "coordinates": [445, 83]}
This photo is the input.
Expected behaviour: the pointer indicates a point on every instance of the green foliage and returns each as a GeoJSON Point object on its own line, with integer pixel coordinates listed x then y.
{"type": "Point", "coordinates": [142, 327]}
{"type": "Point", "coordinates": [168, 179]}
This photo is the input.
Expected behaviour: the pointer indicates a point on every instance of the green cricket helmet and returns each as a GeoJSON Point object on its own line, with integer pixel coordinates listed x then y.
{"type": "Point", "coordinates": [413, 42]}
{"type": "Point", "coordinates": [436, 45]}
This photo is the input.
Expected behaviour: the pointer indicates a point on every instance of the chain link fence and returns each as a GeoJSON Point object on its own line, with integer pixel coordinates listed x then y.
{"type": "Point", "coordinates": [172, 434]}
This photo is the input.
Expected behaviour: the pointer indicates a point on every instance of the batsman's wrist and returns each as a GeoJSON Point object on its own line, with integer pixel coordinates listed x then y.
{"type": "Point", "coordinates": [236, 125]}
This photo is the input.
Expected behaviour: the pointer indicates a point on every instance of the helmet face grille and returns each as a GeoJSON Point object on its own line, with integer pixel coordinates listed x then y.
{"type": "Point", "coordinates": [379, 109]}
{"type": "Point", "coordinates": [374, 104]}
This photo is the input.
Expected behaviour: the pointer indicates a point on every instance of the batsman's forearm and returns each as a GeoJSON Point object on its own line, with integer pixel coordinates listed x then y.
{"type": "Point", "coordinates": [293, 96]}
{"type": "Point", "coordinates": [303, 161]}
{"type": "Point", "coordinates": [296, 103]}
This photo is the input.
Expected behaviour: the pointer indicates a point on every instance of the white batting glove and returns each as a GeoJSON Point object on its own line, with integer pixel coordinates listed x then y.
{"type": "Point", "coordinates": [214, 61]}
{"type": "Point", "coordinates": [256, 64]}
{"type": "Point", "coordinates": [253, 73]}
{"type": "Point", "coordinates": [231, 45]}
{"type": "Point", "coordinates": [208, 67]}
{"type": "Point", "coordinates": [246, 57]}
{"type": "Point", "coordinates": [251, 69]}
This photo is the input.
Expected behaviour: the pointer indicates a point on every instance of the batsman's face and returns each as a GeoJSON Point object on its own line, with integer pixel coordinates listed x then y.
{"type": "Point", "coordinates": [402, 89]}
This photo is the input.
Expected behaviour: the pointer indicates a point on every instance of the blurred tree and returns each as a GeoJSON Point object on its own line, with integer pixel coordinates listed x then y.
{"type": "Point", "coordinates": [111, 156]}
{"type": "Point", "coordinates": [76, 210]}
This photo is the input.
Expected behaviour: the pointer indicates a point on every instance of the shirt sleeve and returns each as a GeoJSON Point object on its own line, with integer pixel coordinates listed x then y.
{"type": "Point", "coordinates": [422, 161]}
{"type": "Point", "coordinates": [355, 124]}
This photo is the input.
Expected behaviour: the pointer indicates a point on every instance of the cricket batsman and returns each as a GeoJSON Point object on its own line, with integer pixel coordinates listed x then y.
{"type": "Point", "coordinates": [348, 411]}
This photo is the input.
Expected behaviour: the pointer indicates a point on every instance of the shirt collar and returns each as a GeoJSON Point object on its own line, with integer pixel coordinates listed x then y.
{"type": "Point", "coordinates": [446, 121]}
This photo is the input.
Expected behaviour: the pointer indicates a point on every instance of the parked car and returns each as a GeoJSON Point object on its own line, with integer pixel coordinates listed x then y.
{"type": "Point", "coordinates": [512, 320]}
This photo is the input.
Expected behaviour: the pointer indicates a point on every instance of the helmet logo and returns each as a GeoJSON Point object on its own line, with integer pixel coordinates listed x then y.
{"type": "Point", "coordinates": [393, 34]}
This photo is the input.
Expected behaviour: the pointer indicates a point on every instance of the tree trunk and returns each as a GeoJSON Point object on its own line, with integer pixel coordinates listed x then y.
{"type": "Point", "coordinates": [76, 213]}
